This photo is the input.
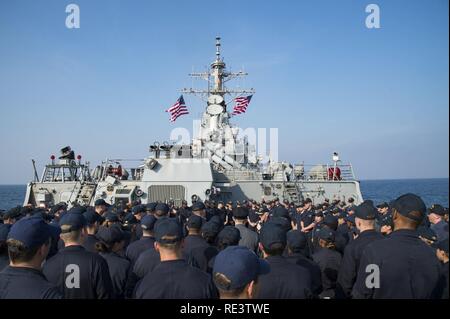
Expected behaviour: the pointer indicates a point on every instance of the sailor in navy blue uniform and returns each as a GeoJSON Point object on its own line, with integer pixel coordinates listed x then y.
{"type": "Point", "coordinates": [4, 258]}
{"type": "Point", "coordinates": [386, 225]}
{"type": "Point", "coordinates": [427, 234]}
{"type": "Point", "coordinates": [129, 226]}
{"type": "Point", "coordinates": [237, 280]}
{"type": "Point", "coordinates": [147, 241]}
{"type": "Point", "coordinates": [173, 278]}
{"type": "Point", "coordinates": [284, 223]}
{"type": "Point", "coordinates": [297, 249]}
{"type": "Point", "coordinates": [139, 212]}
{"type": "Point", "coordinates": [28, 245]}
{"type": "Point", "coordinates": [442, 254]}
{"type": "Point", "coordinates": [383, 209]}
{"type": "Point", "coordinates": [343, 228]}
{"type": "Point", "coordinates": [92, 220]}
{"type": "Point", "coordinates": [161, 210]}
{"type": "Point", "coordinates": [111, 241]}
{"type": "Point", "coordinates": [341, 240]}
{"type": "Point", "coordinates": [56, 212]}
{"type": "Point", "coordinates": [329, 261]}
{"type": "Point", "coordinates": [365, 216]}
{"type": "Point", "coordinates": [11, 216]}
{"type": "Point", "coordinates": [199, 209]}
{"type": "Point", "coordinates": [148, 259]}
{"type": "Point", "coordinates": [228, 236]}
{"type": "Point", "coordinates": [194, 238]}
{"type": "Point", "coordinates": [111, 218]}
{"type": "Point", "coordinates": [249, 238]}
{"type": "Point", "coordinates": [77, 273]}
{"type": "Point", "coordinates": [285, 279]}
{"type": "Point", "coordinates": [313, 234]}
{"type": "Point", "coordinates": [150, 208]}
{"type": "Point", "coordinates": [330, 222]}
{"type": "Point", "coordinates": [296, 213]}
{"type": "Point", "coordinates": [400, 266]}
{"type": "Point", "coordinates": [281, 211]}
{"type": "Point", "coordinates": [201, 255]}
{"type": "Point", "coordinates": [228, 213]}
{"type": "Point", "coordinates": [307, 216]}
{"type": "Point", "coordinates": [142, 254]}
{"type": "Point", "coordinates": [183, 212]}
{"type": "Point", "coordinates": [100, 207]}
{"type": "Point", "coordinates": [145, 263]}
{"type": "Point", "coordinates": [383, 212]}
{"type": "Point", "coordinates": [210, 208]}
{"type": "Point", "coordinates": [436, 217]}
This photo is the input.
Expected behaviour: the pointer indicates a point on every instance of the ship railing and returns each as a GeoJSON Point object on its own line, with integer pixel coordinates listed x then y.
{"type": "Point", "coordinates": [129, 169]}
{"type": "Point", "coordinates": [61, 173]}
{"type": "Point", "coordinates": [302, 172]}
{"type": "Point", "coordinates": [323, 172]}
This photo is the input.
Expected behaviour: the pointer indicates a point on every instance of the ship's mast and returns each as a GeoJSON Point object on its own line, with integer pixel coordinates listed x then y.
{"type": "Point", "coordinates": [217, 139]}
{"type": "Point", "coordinates": [217, 68]}
{"type": "Point", "coordinates": [218, 76]}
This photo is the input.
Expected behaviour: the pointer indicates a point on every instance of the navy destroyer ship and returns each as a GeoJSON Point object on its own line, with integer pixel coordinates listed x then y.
{"type": "Point", "coordinates": [217, 165]}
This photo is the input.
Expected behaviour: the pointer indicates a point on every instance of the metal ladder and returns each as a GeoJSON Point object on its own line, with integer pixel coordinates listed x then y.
{"type": "Point", "coordinates": [85, 193]}
{"type": "Point", "coordinates": [291, 189]}
{"type": "Point", "coordinates": [48, 177]}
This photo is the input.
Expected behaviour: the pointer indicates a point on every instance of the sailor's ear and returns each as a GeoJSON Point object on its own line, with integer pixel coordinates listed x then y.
{"type": "Point", "coordinates": [394, 214]}
{"type": "Point", "coordinates": [251, 289]}
{"type": "Point", "coordinates": [44, 249]}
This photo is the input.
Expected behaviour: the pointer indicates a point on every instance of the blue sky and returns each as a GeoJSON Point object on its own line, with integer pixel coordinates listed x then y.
{"type": "Point", "coordinates": [378, 96]}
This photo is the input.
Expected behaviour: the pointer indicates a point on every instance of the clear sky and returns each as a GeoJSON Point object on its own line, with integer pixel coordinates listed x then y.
{"type": "Point", "coordinates": [378, 96]}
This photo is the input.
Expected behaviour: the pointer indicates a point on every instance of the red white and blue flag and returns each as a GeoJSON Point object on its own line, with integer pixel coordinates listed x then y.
{"type": "Point", "coordinates": [242, 103]}
{"type": "Point", "coordinates": [178, 109]}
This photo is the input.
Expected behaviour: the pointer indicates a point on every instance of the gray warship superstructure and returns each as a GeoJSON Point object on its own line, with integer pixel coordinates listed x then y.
{"type": "Point", "coordinates": [217, 165]}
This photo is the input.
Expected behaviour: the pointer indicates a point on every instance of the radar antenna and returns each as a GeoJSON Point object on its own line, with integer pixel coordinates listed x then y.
{"type": "Point", "coordinates": [217, 75]}
{"type": "Point", "coordinates": [216, 138]}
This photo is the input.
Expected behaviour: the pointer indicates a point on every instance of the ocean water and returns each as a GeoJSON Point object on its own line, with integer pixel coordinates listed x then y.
{"type": "Point", "coordinates": [432, 191]}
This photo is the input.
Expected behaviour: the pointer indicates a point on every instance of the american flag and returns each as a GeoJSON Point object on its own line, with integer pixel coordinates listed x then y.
{"type": "Point", "coordinates": [242, 103]}
{"type": "Point", "coordinates": [178, 109]}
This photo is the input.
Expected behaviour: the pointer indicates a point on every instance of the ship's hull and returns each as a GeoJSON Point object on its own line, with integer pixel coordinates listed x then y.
{"type": "Point", "coordinates": [182, 179]}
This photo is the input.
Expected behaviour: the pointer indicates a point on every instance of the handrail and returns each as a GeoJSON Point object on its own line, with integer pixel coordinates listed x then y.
{"type": "Point", "coordinates": [73, 190]}
{"type": "Point", "coordinates": [321, 172]}
{"type": "Point", "coordinates": [338, 172]}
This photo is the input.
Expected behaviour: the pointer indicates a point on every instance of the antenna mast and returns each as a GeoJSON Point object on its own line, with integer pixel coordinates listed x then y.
{"type": "Point", "coordinates": [218, 76]}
